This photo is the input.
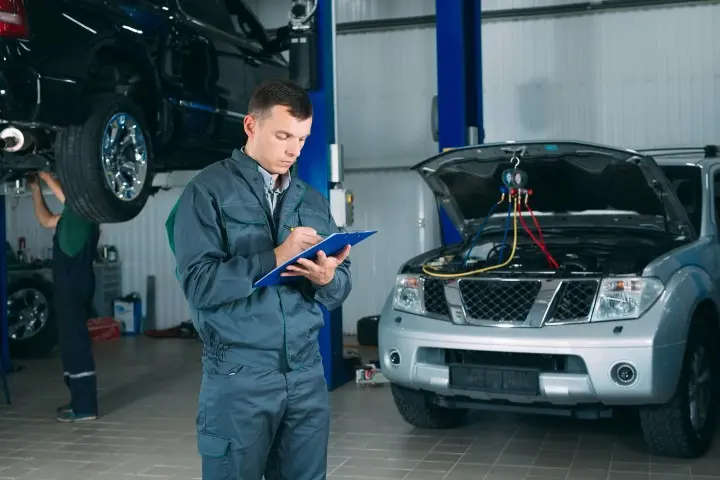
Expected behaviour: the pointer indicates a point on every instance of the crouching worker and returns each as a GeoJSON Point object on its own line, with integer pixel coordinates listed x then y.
{"type": "Point", "coordinates": [74, 250]}
{"type": "Point", "coordinates": [263, 406]}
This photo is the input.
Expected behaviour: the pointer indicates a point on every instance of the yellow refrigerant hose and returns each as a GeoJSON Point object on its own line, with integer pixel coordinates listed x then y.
{"type": "Point", "coordinates": [515, 198]}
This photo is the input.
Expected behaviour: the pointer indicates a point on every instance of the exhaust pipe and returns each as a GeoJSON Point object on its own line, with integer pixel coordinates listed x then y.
{"type": "Point", "coordinates": [13, 139]}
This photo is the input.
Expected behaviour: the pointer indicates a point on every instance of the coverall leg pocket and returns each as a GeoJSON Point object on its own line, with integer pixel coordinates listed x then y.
{"type": "Point", "coordinates": [214, 451]}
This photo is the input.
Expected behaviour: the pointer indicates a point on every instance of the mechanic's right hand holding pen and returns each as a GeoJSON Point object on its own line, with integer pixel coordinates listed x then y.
{"type": "Point", "coordinates": [299, 240]}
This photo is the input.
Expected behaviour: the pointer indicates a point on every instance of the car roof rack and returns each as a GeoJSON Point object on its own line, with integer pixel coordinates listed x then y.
{"type": "Point", "coordinates": [708, 151]}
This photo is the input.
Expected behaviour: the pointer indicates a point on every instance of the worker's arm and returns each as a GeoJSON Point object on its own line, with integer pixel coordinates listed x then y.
{"type": "Point", "coordinates": [46, 218]}
{"type": "Point", "coordinates": [208, 275]}
{"type": "Point", "coordinates": [54, 185]}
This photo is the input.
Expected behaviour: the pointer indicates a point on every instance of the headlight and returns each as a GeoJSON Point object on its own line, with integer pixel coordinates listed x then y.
{"type": "Point", "coordinates": [625, 298]}
{"type": "Point", "coordinates": [408, 294]}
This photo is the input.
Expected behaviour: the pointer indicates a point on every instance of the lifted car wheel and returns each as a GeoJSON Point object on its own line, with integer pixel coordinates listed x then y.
{"type": "Point", "coordinates": [685, 426]}
{"type": "Point", "coordinates": [417, 410]}
{"type": "Point", "coordinates": [105, 164]}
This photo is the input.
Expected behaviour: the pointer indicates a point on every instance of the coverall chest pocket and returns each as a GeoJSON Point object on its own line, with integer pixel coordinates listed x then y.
{"type": "Point", "coordinates": [247, 228]}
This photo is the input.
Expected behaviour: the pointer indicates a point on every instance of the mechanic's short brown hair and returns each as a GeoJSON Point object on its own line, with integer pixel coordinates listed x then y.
{"type": "Point", "coordinates": [284, 93]}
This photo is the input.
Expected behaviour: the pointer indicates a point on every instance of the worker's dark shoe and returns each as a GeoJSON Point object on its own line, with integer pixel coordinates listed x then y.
{"type": "Point", "coordinates": [64, 409]}
{"type": "Point", "coordinates": [72, 417]}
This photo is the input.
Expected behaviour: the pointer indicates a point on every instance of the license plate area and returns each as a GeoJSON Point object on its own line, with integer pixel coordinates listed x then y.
{"type": "Point", "coordinates": [492, 379]}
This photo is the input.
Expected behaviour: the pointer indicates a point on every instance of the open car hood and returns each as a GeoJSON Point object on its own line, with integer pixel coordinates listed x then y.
{"type": "Point", "coordinates": [592, 184]}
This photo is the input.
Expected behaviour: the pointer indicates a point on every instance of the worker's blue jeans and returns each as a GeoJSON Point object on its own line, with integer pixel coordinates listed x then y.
{"type": "Point", "coordinates": [254, 422]}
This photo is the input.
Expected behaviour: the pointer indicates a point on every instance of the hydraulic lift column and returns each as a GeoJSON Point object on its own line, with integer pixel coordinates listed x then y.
{"type": "Point", "coordinates": [459, 82]}
{"type": "Point", "coordinates": [6, 365]}
{"type": "Point", "coordinates": [312, 64]}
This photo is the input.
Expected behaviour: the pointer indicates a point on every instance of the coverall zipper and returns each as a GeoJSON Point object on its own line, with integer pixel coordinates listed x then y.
{"type": "Point", "coordinates": [274, 231]}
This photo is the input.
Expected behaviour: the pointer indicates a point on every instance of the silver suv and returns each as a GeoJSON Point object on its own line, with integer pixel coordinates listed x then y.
{"type": "Point", "coordinates": [586, 278]}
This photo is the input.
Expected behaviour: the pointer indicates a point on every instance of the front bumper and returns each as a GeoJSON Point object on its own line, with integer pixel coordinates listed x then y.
{"type": "Point", "coordinates": [577, 359]}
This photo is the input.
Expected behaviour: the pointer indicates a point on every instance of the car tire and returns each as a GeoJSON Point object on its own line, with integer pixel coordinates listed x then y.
{"type": "Point", "coordinates": [31, 296]}
{"type": "Point", "coordinates": [416, 409]}
{"type": "Point", "coordinates": [668, 428]}
{"type": "Point", "coordinates": [85, 178]}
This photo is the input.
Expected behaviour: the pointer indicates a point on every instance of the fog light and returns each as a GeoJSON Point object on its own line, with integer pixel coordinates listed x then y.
{"type": "Point", "coordinates": [394, 358]}
{"type": "Point", "coordinates": [623, 374]}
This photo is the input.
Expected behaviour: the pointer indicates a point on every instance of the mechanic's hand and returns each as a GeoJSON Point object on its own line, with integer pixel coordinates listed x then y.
{"type": "Point", "coordinates": [46, 176]}
{"type": "Point", "coordinates": [32, 181]}
{"type": "Point", "coordinates": [300, 239]}
{"type": "Point", "coordinates": [321, 271]}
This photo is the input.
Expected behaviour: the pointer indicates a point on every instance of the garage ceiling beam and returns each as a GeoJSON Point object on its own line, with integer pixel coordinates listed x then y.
{"type": "Point", "coordinates": [580, 8]}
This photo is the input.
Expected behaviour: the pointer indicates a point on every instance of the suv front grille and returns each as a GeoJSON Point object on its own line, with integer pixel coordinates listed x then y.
{"type": "Point", "coordinates": [499, 301]}
{"type": "Point", "coordinates": [510, 301]}
{"type": "Point", "coordinates": [434, 293]}
{"type": "Point", "coordinates": [575, 300]}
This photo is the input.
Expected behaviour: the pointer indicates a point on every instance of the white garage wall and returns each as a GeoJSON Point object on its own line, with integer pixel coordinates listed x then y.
{"type": "Point", "coordinates": [400, 206]}
{"type": "Point", "coordinates": [637, 79]}
{"type": "Point", "coordinates": [632, 78]}
{"type": "Point", "coordinates": [640, 78]}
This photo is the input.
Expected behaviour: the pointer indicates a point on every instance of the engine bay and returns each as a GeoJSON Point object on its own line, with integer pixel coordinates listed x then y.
{"type": "Point", "coordinates": [557, 236]}
{"type": "Point", "coordinates": [601, 256]}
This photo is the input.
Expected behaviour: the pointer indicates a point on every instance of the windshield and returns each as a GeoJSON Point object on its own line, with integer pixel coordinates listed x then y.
{"type": "Point", "coordinates": [686, 182]}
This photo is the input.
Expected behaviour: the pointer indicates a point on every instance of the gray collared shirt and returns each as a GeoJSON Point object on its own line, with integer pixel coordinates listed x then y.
{"type": "Point", "coordinates": [272, 193]}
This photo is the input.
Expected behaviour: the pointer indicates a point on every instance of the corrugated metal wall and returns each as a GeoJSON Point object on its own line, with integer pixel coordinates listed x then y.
{"type": "Point", "coordinates": [633, 78]}
{"type": "Point", "coordinates": [639, 78]}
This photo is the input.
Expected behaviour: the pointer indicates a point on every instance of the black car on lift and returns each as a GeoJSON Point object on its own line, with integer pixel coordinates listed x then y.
{"type": "Point", "coordinates": [107, 93]}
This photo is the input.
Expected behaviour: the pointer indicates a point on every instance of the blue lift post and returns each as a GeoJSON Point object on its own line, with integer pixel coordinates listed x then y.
{"type": "Point", "coordinates": [459, 83]}
{"type": "Point", "coordinates": [314, 168]}
{"type": "Point", "coordinates": [4, 335]}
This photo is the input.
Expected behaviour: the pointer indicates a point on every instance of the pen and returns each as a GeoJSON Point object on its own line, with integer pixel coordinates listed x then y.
{"type": "Point", "coordinates": [319, 233]}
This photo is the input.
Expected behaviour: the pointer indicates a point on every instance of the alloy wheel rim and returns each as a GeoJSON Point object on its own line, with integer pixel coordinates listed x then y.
{"type": "Point", "coordinates": [124, 156]}
{"type": "Point", "coordinates": [28, 312]}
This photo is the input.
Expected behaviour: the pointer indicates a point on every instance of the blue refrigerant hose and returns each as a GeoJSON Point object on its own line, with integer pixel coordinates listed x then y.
{"type": "Point", "coordinates": [507, 228]}
{"type": "Point", "coordinates": [479, 232]}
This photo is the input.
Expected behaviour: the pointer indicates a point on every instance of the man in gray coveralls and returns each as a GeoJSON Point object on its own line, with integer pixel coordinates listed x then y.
{"type": "Point", "coordinates": [263, 406]}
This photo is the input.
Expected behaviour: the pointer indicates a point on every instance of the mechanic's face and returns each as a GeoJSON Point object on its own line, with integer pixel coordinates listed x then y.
{"type": "Point", "coordinates": [276, 140]}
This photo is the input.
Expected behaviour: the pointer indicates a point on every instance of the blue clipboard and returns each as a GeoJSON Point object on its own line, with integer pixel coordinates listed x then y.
{"type": "Point", "coordinates": [331, 245]}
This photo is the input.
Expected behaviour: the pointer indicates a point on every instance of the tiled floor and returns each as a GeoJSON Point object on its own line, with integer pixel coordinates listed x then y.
{"type": "Point", "coordinates": [148, 397]}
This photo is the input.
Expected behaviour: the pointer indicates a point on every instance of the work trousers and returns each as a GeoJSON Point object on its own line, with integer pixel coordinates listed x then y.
{"type": "Point", "coordinates": [254, 422]}
{"type": "Point", "coordinates": [74, 287]}
{"type": "Point", "coordinates": [72, 313]}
